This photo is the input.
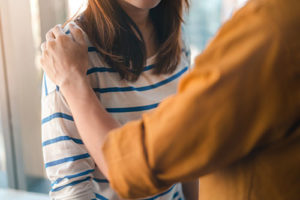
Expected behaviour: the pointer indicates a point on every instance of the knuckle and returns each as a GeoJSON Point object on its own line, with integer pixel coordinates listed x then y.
{"type": "Point", "coordinates": [45, 53]}
{"type": "Point", "coordinates": [61, 38]}
{"type": "Point", "coordinates": [50, 44]}
{"type": "Point", "coordinates": [57, 27]}
{"type": "Point", "coordinates": [50, 31]}
{"type": "Point", "coordinates": [49, 34]}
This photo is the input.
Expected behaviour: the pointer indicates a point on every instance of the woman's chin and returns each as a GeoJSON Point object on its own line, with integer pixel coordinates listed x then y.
{"type": "Point", "coordinates": [143, 4]}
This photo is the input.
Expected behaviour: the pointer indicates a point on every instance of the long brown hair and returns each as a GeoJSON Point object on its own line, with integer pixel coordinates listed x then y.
{"type": "Point", "coordinates": [113, 33]}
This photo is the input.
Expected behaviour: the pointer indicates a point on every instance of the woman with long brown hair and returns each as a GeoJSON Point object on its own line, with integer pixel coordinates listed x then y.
{"type": "Point", "coordinates": [135, 56]}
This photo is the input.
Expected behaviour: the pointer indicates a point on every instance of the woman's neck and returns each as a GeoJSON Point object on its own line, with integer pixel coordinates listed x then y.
{"type": "Point", "coordinates": [138, 15]}
{"type": "Point", "coordinates": [142, 20]}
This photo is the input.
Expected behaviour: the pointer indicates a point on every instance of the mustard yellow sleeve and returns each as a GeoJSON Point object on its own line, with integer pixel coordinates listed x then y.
{"type": "Point", "coordinates": [238, 93]}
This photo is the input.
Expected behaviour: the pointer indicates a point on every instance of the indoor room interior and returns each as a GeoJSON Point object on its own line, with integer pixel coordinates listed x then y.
{"type": "Point", "coordinates": [23, 25]}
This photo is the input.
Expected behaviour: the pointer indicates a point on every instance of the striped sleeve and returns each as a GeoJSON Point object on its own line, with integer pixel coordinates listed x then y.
{"type": "Point", "coordinates": [68, 164]}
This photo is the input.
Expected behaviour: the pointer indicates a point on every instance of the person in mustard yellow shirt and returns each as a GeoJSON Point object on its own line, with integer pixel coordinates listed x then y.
{"type": "Point", "coordinates": [234, 122]}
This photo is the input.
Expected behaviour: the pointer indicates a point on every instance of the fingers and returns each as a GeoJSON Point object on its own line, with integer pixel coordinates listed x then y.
{"type": "Point", "coordinates": [77, 34]}
{"type": "Point", "coordinates": [57, 31]}
{"type": "Point", "coordinates": [43, 56]}
{"type": "Point", "coordinates": [50, 35]}
{"type": "Point", "coordinates": [42, 61]}
{"type": "Point", "coordinates": [43, 46]}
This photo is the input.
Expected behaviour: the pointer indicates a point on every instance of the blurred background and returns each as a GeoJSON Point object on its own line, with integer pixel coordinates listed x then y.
{"type": "Point", "coordinates": [23, 25]}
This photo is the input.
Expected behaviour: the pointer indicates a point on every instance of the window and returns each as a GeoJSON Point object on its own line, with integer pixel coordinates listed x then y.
{"type": "Point", "coordinates": [205, 18]}
{"type": "Point", "coordinates": [23, 25]}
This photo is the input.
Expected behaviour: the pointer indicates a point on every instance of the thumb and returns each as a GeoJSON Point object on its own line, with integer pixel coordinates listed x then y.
{"type": "Point", "coordinates": [77, 34]}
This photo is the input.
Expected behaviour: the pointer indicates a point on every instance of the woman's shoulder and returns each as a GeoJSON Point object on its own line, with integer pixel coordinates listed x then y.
{"type": "Point", "coordinates": [95, 60]}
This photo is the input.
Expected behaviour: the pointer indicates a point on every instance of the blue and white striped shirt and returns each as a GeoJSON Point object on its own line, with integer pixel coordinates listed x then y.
{"type": "Point", "coordinates": [68, 165]}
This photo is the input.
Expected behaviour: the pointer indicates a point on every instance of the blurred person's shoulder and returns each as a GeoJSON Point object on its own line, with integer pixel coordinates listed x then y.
{"type": "Point", "coordinates": [284, 14]}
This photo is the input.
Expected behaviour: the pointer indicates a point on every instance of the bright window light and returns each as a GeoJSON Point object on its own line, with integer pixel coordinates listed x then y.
{"type": "Point", "coordinates": [76, 6]}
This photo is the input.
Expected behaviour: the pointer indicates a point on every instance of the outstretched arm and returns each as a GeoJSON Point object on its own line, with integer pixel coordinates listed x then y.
{"type": "Point", "coordinates": [223, 111]}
